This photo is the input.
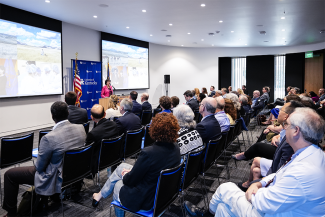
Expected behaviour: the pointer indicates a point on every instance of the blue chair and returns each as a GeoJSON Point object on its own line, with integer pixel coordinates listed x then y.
{"type": "Point", "coordinates": [86, 126]}
{"type": "Point", "coordinates": [133, 142]}
{"type": "Point", "coordinates": [147, 138]}
{"type": "Point", "coordinates": [156, 111]}
{"type": "Point", "coordinates": [167, 191]}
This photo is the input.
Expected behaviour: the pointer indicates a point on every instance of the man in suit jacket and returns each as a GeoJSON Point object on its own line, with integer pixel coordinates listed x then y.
{"type": "Point", "coordinates": [76, 115]}
{"type": "Point", "coordinates": [258, 103]}
{"type": "Point", "coordinates": [128, 120]}
{"type": "Point", "coordinates": [192, 103]}
{"type": "Point", "coordinates": [209, 127]}
{"type": "Point", "coordinates": [213, 92]}
{"type": "Point", "coordinates": [321, 93]}
{"type": "Point", "coordinates": [104, 129]}
{"type": "Point", "coordinates": [137, 107]}
{"type": "Point", "coordinates": [46, 175]}
{"type": "Point", "coordinates": [145, 104]}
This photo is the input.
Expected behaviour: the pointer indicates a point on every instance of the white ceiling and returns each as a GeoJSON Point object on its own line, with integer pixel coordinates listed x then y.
{"type": "Point", "coordinates": [303, 20]}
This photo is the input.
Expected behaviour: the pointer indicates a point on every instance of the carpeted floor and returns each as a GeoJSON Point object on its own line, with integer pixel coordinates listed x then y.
{"type": "Point", "coordinates": [80, 205]}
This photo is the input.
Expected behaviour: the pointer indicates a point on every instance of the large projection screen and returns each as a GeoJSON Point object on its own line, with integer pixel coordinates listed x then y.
{"type": "Point", "coordinates": [128, 65]}
{"type": "Point", "coordinates": [30, 61]}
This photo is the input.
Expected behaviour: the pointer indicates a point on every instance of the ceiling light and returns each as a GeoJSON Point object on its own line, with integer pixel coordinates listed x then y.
{"type": "Point", "coordinates": [213, 45]}
{"type": "Point", "coordinates": [182, 45]}
{"type": "Point", "coordinates": [168, 40]}
{"type": "Point", "coordinates": [189, 33]}
{"type": "Point", "coordinates": [232, 31]}
{"type": "Point", "coordinates": [283, 38]}
{"type": "Point", "coordinates": [202, 5]}
{"type": "Point", "coordinates": [47, 1]}
{"type": "Point", "coordinates": [220, 21]}
{"type": "Point", "coordinates": [170, 24]}
{"type": "Point", "coordinates": [322, 31]}
{"type": "Point", "coordinates": [282, 18]}
{"type": "Point", "coordinates": [127, 27]}
{"type": "Point", "coordinates": [95, 16]}
{"type": "Point", "coordinates": [283, 30]}
{"type": "Point", "coordinates": [144, 11]}
{"type": "Point", "coordinates": [245, 44]}
{"type": "Point", "coordinates": [202, 39]}
{"type": "Point", "coordinates": [150, 35]}
{"type": "Point", "coordinates": [240, 39]}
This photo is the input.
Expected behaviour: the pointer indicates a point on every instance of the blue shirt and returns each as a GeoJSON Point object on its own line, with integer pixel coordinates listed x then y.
{"type": "Point", "coordinates": [254, 101]}
{"type": "Point", "coordinates": [223, 120]}
{"type": "Point", "coordinates": [166, 110]}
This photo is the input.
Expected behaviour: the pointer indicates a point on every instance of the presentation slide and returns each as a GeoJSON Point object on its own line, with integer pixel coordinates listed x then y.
{"type": "Point", "coordinates": [128, 65]}
{"type": "Point", "coordinates": [30, 61]}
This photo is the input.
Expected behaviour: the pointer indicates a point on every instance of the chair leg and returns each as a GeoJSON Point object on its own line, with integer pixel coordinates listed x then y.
{"type": "Point", "coordinates": [62, 204]}
{"type": "Point", "coordinates": [31, 204]}
{"type": "Point", "coordinates": [0, 188]}
{"type": "Point", "coordinates": [205, 204]}
{"type": "Point", "coordinates": [206, 193]}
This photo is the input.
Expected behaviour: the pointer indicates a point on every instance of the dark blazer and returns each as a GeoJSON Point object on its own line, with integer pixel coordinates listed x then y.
{"type": "Point", "coordinates": [77, 115]}
{"type": "Point", "coordinates": [146, 106]}
{"type": "Point", "coordinates": [104, 129]}
{"type": "Point", "coordinates": [137, 107]}
{"type": "Point", "coordinates": [246, 108]}
{"type": "Point", "coordinates": [140, 183]}
{"type": "Point", "coordinates": [282, 153]}
{"type": "Point", "coordinates": [259, 104]}
{"type": "Point", "coordinates": [193, 104]}
{"type": "Point", "coordinates": [128, 121]}
{"type": "Point", "coordinates": [208, 128]}
{"type": "Point", "coordinates": [212, 93]}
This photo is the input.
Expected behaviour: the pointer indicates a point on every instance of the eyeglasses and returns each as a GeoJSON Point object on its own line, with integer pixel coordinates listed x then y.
{"type": "Point", "coordinates": [285, 125]}
{"type": "Point", "coordinates": [201, 104]}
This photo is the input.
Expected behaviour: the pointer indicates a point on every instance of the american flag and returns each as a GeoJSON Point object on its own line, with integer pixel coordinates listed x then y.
{"type": "Point", "coordinates": [77, 84]}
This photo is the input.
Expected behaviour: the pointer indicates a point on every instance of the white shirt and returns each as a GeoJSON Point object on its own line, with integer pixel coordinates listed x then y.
{"type": "Point", "coordinates": [57, 124]}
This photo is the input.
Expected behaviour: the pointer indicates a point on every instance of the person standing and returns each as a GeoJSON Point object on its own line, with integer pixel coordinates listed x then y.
{"type": "Point", "coordinates": [107, 90]}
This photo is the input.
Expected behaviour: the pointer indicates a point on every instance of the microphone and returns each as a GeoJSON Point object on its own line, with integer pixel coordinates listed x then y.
{"type": "Point", "coordinates": [113, 87]}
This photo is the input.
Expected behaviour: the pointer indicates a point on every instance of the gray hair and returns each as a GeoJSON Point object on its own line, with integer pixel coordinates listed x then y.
{"type": "Point", "coordinates": [243, 99]}
{"type": "Point", "coordinates": [219, 91]}
{"type": "Point", "coordinates": [210, 104]}
{"type": "Point", "coordinates": [185, 116]}
{"type": "Point", "coordinates": [127, 104]}
{"type": "Point", "coordinates": [145, 96]}
{"type": "Point", "coordinates": [257, 91]}
{"type": "Point", "coordinates": [234, 99]}
{"type": "Point", "coordinates": [312, 126]}
{"type": "Point", "coordinates": [306, 98]}
{"type": "Point", "coordinates": [220, 102]}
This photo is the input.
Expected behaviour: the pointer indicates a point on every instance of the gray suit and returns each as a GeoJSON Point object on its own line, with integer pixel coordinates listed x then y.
{"type": "Point", "coordinates": [48, 176]}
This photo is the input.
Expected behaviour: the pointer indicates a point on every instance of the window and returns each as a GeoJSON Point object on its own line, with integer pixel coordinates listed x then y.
{"type": "Point", "coordinates": [238, 72]}
{"type": "Point", "coordinates": [279, 76]}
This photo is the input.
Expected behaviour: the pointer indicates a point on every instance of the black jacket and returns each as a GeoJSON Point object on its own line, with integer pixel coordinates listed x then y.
{"type": "Point", "coordinates": [146, 106]}
{"type": "Point", "coordinates": [259, 104]}
{"type": "Point", "coordinates": [137, 107]}
{"type": "Point", "coordinates": [77, 115]}
{"type": "Point", "coordinates": [140, 183]}
{"type": "Point", "coordinates": [105, 129]}
{"type": "Point", "coordinates": [193, 104]}
{"type": "Point", "coordinates": [209, 128]}
{"type": "Point", "coordinates": [128, 121]}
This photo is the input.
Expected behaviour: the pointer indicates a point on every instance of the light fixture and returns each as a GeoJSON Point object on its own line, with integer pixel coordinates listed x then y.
{"type": "Point", "coordinates": [182, 45]}
{"type": "Point", "coordinates": [150, 35]}
{"type": "Point", "coordinates": [213, 45]}
{"type": "Point", "coordinates": [220, 21]}
{"type": "Point", "coordinates": [144, 11]}
{"type": "Point", "coordinates": [240, 39]}
{"type": "Point", "coordinates": [283, 38]}
{"type": "Point", "coordinates": [322, 31]}
{"type": "Point", "coordinates": [282, 18]}
{"type": "Point", "coordinates": [202, 5]}
{"type": "Point", "coordinates": [232, 31]}
{"type": "Point", "coordinates": [47, 1]}
{"type": "Point", "coordinates": [283, 30]}
{"type": "Point", "coordinates": [245, 44]}
{"type": "Point", "coordinates": [95, 16]}
{"type": "Point", "coordinates": [168, 40]}
{"type": "Point", "coordinates": [170, 24]}
{"type": "Point", "coordinates": [189, 33]}
{"type": "Point", "coordinates": [202, 39]}
{"type": "Point", "coordinates": [127, 27]}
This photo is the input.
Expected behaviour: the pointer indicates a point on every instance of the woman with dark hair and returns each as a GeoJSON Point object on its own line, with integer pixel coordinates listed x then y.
{"type": "Point", "coordinates": [205, 91]}
{"type": "Point", "coordinates": [165, 103]}
{"type": "Point", "coordinates": [107, 90]}
{"type": "Point", "coordinates": [230, 111]}
{"type": "Point", "coordinates": [201, 97]}
{"type": "Point", "coordinates": [135, 186]}
{"type": "Point", "coordinates": [175, 102]}
{"type": "Point", "coordinates": [313, 96]}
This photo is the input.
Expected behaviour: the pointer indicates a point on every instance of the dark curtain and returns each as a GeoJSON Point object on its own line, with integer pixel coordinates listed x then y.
{"type": "Point", "coordinates": [224, 72]}
{"type": "Point", "coordinates": [295, 70]}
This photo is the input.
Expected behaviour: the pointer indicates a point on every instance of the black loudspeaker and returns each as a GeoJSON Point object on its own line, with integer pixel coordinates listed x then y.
{"type": "Point", "coordinates": [167, 79]}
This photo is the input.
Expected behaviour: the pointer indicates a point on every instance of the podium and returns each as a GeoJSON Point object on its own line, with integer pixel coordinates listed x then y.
{"type": "Point", "coordinates": [104, 101]}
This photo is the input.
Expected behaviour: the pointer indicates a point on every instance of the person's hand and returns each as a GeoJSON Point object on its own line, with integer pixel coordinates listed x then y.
{"type": "Point", "coordinates": [266, 131]}
{"type": "Point", "coordinates": [125, 171]}
{"type": "Point", "coordinates": [252, 190]}
{"type": "Point", "coordinates": [275, 141]}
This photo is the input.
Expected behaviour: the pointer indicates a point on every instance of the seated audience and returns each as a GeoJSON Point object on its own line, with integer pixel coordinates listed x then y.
{"type": "Point", "coordinates": [229, 89]}
{"type": "Point", "coordinates": [249, 100]}
{"type": "Point", "coordinates": [193, 94]}
{"type": "Point", "coordinates": [235, 92]}
{"type": "Point", "coordinates": [197, 92]}
{"type": "Point", "coordinates": [104, 129]}
{"type": "Point", "coordinates": [175, 102]}
{"type": "Point", "coordinates": [145, 104]}
{"type": "Point", "coordinates": [220, 114]}
{"type": "Point", "coordinates": [135, 186]}
{"type": "Point", "coordinates": [245, 107]}
{"type": "Point", "coordinates": [112, 110]}
{"type": "Point", "coordinates": [258, 103]}
{"type": "Point", "coordinates": [243, 87]}
{"type": "Point", "coordinates": [137, 107]}
{"type": "Point", "coordinates": [230, 111]}
{"type": "Point", "coordinates": [209, 127]}
{"type": "Point", "coordinates": [265, 96]}
{"type": "Point", "coordinates": [212, 91]}
{"type": "Point", "coordinates": [45, 175]}
{"type": "Point", "coordinates": [165, 103]}
{"type": "Point", "coordinates": [234, 98]}
{"type": "Point", "coordinates": [218, 93]}
{"type": "Point", "coordinates": [288, 90]}
{"type": "Point", "coordinates": [205, 91]}
{"type": "Point", "coordinates": [295, 190]}
{"type": "Point", "coordinates": [188, 137]}
{"type": "Point", "coordinates": [201, 97]}
{"type": "Point", "coordinates": [128, 120]}
{"type": "Point", "coordinates": [224, 91]}
{"type": "Point", "coordinates": [77, 115]}
{"type": "Point", "coordinates": [313, 96]}
{"type": "Point", "coordinates": [321, 93]}
{"type": "Point", "coordinates": [240, 91]}
{"type": "Point", "coordinates": [192, 103]}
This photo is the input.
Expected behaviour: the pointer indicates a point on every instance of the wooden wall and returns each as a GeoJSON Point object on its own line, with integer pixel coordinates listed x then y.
{"type": "Point", "coordinates": [314, 73]}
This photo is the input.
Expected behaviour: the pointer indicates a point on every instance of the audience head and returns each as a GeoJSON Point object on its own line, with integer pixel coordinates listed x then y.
{"type": "Point", "coordinates": [234, 98]}
{"type": "Point", "coordinates": [108, 82]}
{"type": "Point", "coordinates": [97, 112]}
{"type": "Point", "coordinates": [243, 100]}
{"type": "Point", "coordinates": [193, 93]}
{"type": "Point", "coordinates": [201, 97]}
{"type": "Point", "coordinates": [220, 103]}
{"type": "Point", "coordinates": [126, 105]}
{"type": "Point", "coordinates": [59, 111]}
{"type": "Point", "coordinates": [291, 98]}
{"type": "Point", "coordinates": [230, 109]}
{"type": "Point", "coordinates": [164, 128]}
{"type": "Point", "coordinates": [243, 87]}
{"type": "Point", "coordinates": [110, 104]}
{"type": "Point", "coordinates": [266, 89]}
{"type": "Point", "coordinates": [289, 88]}
{"type": "Point", "coordinates": [70, 98]}
{"type": "Point", "coordinates": [208, 106]}
{"type": "Point", "coordinates": [175, 101]}
{"type": "Point", "coordinates": [307, 101]}
{"type": "Point", "coordinates": [185, 116]}
{"type": "Point", "coordinates": [249, 100]}
{"type": "Point", "coordinates": [303, 94]}
{"type": "Point", "coordinates": [287, 110]}
{"type": "Point", "coordinates": [224, 91]}
{"type": "Point", "coordinates": [218, 93]}
{"type": "Point", "coordinates": [204, 90]}
{"type": "Point", "coordinates": [229, 89]}
{"type": "Point", "coordinates": [312, 94]}
{"type": "Point", "coordinates": [235, 92]}
{"type": "Point", "coordinates": [114, 99]}
{"type": "Point", "coordinates": [292, 91]}
{"type": "Point", "coordinates": [211, 88]}
{"type": "Point", "coordinates": [256, 94]}
{"type": "Point", "coordinates": [133, 95]}
{"type": "Point", "coordinates": [165, 102]}
{"type": "Point", "coordinates": [321, 91]}
{"type": "Point", "coordinates": [188, 95]}
{"type": "Point", "coordinates": [240, 91]}
{"type": "Point", "coordinates": [303, 128]}
{"type": "Point", "coordinates": [197, 91]}
{"type": "Point", "coordinates": [144, 97]}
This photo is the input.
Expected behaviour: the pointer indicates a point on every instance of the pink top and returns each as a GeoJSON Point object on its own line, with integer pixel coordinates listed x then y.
{"type": "Point", "coordinates": [106, 92]}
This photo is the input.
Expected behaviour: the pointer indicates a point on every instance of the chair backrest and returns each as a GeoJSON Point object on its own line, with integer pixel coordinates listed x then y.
{"type": "Point", "coordinates": [16, 150]}
{"type": "Point", "coordinates": [237, 128]}
{"type": "Point", "coordinates": [110, 152]}
{"type": "Point", "coordinates": [133, 142]}
{"type": "Point", "coordinates": [156, 111]}
{"type": "Point", "coordinates": [115, 118]}
{"type": "Point", "coordinates": [167, 189]}
{"type": "Point", "coordinates": [210, 153]}
{"type": "Point", "coordinates": [221, 145]}
{"type": "Point", "coordinates": [76, 165]}
{"type": "Point", "coordinates": [196, 116]}
{"type": "Point", "coordinates": [193, 165]}
{"type": "Point", "coordinates": [230, 134]}
{"type": "Point", "coordinates": [138, 114]}
{"type": "Point", "coordinates": [147, 138]}
{"type": "Point", "coordinates": [86, 126]}
{"type": "Point", "coordinates": [41, 134]}
{"type": "Point", "coordinates": [146, 117]}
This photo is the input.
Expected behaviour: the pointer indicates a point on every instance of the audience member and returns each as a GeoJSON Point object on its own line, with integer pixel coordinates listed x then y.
{"type": "Point", "coordinates": [234, 99]}
{"type": "Point", "coordinates": [258, 103]}
{"type": "Point", "coordinates": [209, 127]}
{"type": "Point", "coordinates": [45, 175]}
{"type": "Point", "coordinates": [104, 129]}
{"type": "Point", "coordinates": [249, 100]}
{"type": "Point", "coordinates": [188, 137]}
{"type": "Point", "coordinates": [135, 186]}
{"type": "Point", "coordinates": [240, 92]}
{"type": "Point", "coordinates": [128, 120]}
{"type": "Point", "coordinates": [244, 104]}
{"type": "Point", "coordinates": [165, 103]}
{"type": "Point", "coordinates": [235, 92]}
{"type": "Point", "coordinates": [220, 114]}
{"type": "Point", "coordinates": [224, 91]}
{"type": "Point", "coordinates": [145, 104]}
{"type": "Point", "coordinates": [137, 107]}
{"type": "Point", "coordinates": [201, 97]}
{"type": "Point", "coordinates": [321, 93]}
{"type": "Point", "coordinates": [313, 96]}
{"type": "Point", "coordinates": [218, 93]}
{"type": "Point", "coordinates": [230, 111]}
{"type": "Point", "coordinates": [212, 91]}
{"type": "Point", "coordinates": [229, 89]}
{"type": "Point", "coordinates": [77, 115]}
{"type": "Point", "coordinates": [265, 96]}
{"type": "Point", "coordinates": [175, 102]}
{"type": "Point", "coordinates": [204, 90]}
{"type": "Point", "coordinates": [197, 93]}
{"type": "Point", "coordinates": [288, 90]}
{"type": "Point", "coordinates": [243, 87]}
{"type": "Point", "coordinates": [112, 110]}
{"type": "Point", "coordinates": [190, 101]}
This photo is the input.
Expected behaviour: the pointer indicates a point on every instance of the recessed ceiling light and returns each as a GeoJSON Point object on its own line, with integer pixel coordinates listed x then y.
{"type": "Point", "coordinates": [202, 39]}
{"type": "Point", "coordinates": [168, 40]}
{"type": "Point", "coordinates": [240, 39]}
{"type": "Point", "coordinates": [47, 1]}
{"type": "Point", "coordinates": [150, 35]}
{"type": "Point", "coordinates": [245, 44]}
{"type": "Point", "coordinates": [202, 5]}
{"type": "Point", "coordinates": [282, 18]}
{"type": "Point", "coordinates": [144, 11]}
{"type": "Point", "coordinates": [127, 27]}
{"type": "Point", "coordinates": [170, 24]}
{"type": "Point", "coordinates": [232, 31]}
{"type": "Point", "coordinates": [283, 30]}
{"type": "Point", "coordinates": [95, 16]}
{"type": "Point", "coordinates": [189, 33]}
{"type": "Point", "coordinates": [220, 21]}
{"type": "Point", "coordinates": [213, 45]}
{"type": "Point", "coordinates": [182, 45]}
{"type": "Point", "coordinates": [283, 38]}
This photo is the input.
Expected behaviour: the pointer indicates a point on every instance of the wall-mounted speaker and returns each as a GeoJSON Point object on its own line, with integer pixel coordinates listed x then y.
{"type": "Point", "coordinates": [167, 79]}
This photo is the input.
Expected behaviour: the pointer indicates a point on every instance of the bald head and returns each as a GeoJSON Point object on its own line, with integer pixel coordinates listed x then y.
{"type": "Point", "coordinates": [97, 112]}
{"type": "Point", "coordinates": [210, 104]}
{"type": "Point", "coordinates": [144, 97]}
{"type": "Point", "coordinates": [220, 102]}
